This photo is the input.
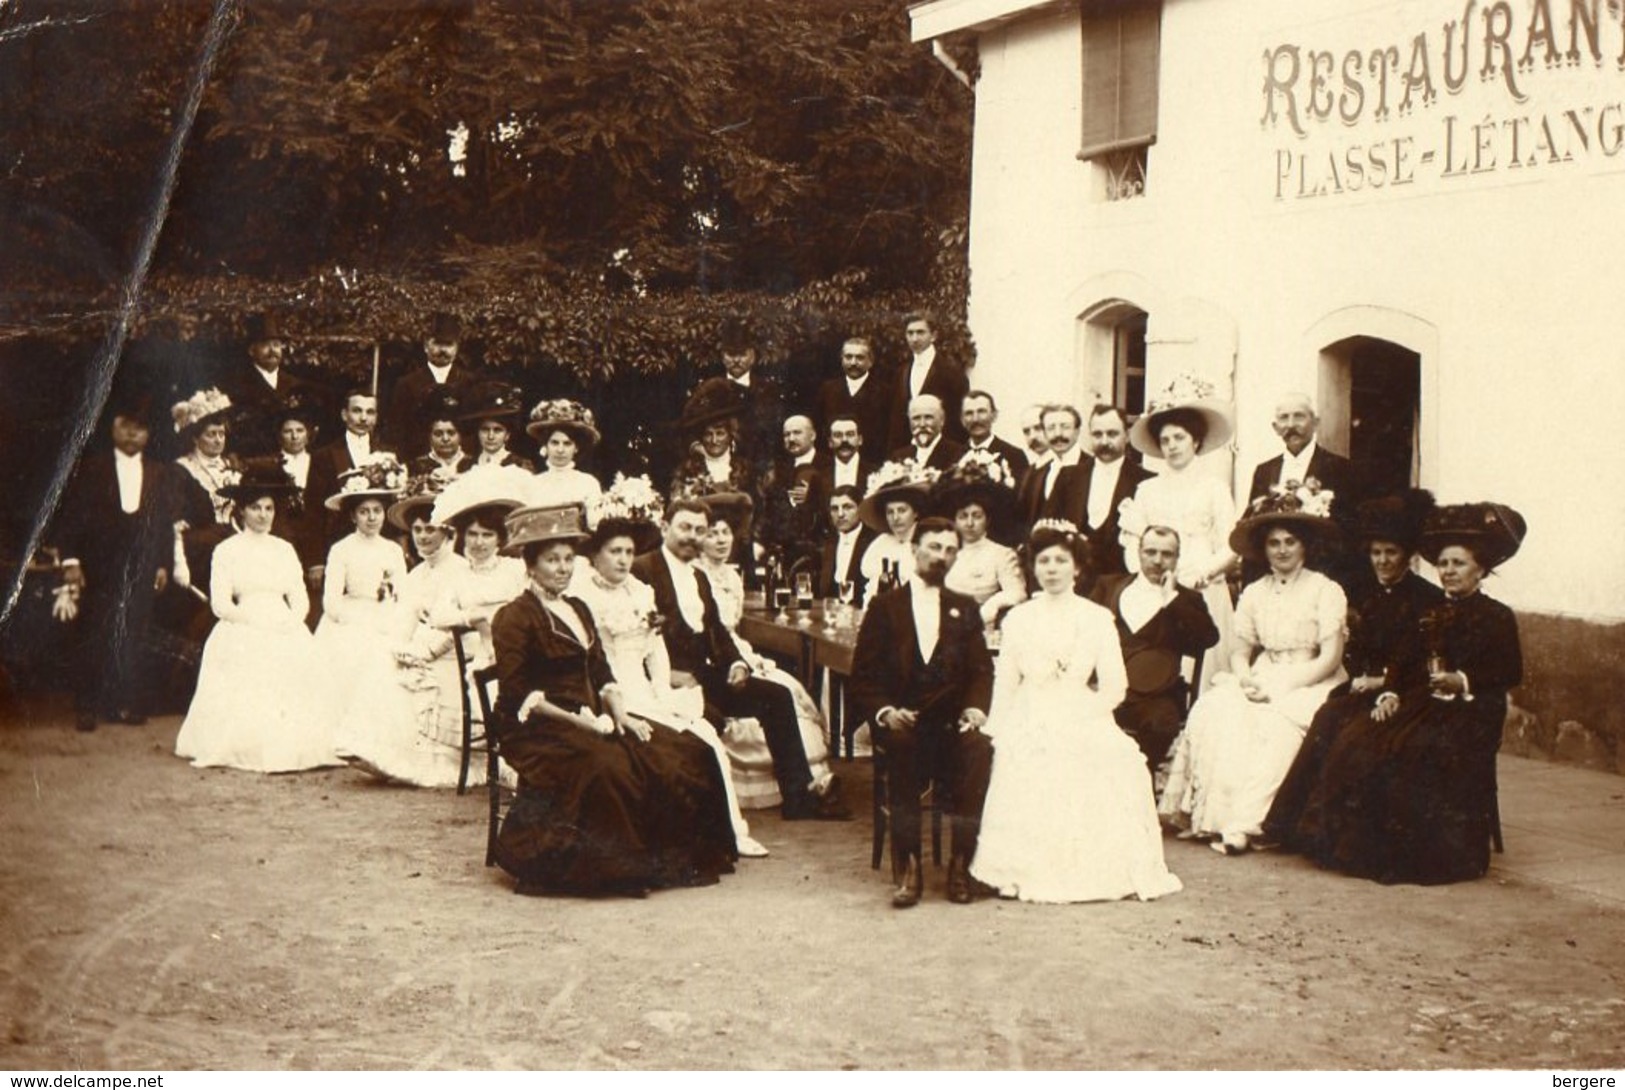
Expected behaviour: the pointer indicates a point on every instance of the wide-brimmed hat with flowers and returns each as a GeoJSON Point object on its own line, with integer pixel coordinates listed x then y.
{"type": "Point", "coordinates": [1305, 508]}
{"type": "Point", "coordinates": [500, 488]}
{"type": "Point", "coordinates": [980, 477]}
{"type": "Point", "coordinates": [630, 507]}
{"type": "Point", "coordinates": [1189, 393]}
{"type": "Point", "coordinates": [561, 414]}
{"type": "Point", "coordinates": [418, 498]}
{"type": "Point", "coordinates": [380, 475]}
{"type": "Point", "coordinates": [200, 410]}
{"type": "Point", "coordinates": [545, 525]}
{"type": "Point", "coordinates": [1493, 531]}
{"type": "Point", "coordinates": [907, 481]}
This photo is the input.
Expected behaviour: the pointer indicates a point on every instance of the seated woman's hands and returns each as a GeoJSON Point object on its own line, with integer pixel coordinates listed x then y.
{"type": "Point", "coordinates": [1387, 704]}
{"type": "Point", "coordinates": [1368, 683]}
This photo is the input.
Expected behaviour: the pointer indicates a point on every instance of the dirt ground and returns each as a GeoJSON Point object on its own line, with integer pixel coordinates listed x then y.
{"type": "Point", "coordinates": [157, 916]}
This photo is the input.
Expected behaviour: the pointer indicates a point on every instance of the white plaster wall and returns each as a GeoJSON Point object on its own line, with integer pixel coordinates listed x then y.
{"type": "Point", "coordinates": [1517, 272]}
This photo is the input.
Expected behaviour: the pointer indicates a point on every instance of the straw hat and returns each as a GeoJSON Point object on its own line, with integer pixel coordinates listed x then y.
{"type": "Point", "coordinates": [1191, 394]}
{"type": "Point", "coordinates": [893, 481]}
{"type": "Point", "coordinates": [380, 475]}
{"type": "Point", "coordinates": [545, 525]}
{"type": "Point", "coordinates": [1306, 511]}
{"type": "Point", "coordinates": [561, 414]}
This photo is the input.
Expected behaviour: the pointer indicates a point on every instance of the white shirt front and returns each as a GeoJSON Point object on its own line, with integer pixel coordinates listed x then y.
{"type": "Point", "coordinates": [360, 446]}
{"type": "Point", "coordinates": [1058, 463]}
{"type": "Point", "coordinates": [128, 468]}
{"type": "Point", "coordinates": [270, 377]}
{"type": "Point", "coordinates": [687, 586]}
{"type": "Point", "coordinates": [1295, 467]}
{"type": "Point", "coordinates": [853, 385]}
{"type": "Point", "coordinates": [441, 374]}
{"type": "Point", "coordinates": [1102, 485]}
{"type": "Point", "coordinates": [805, 459]}
{"type": "Point", "coordinates": [845, 544]}
{"type": "Point", "coordinates": [719, 469]}
{"type": "Point", "coordinates": [919, 369]}
{"type": "Point", "coordinates": [1141, 601]}
{"type": "Point", "coordinates": [927, 603]}
{"type": "Point", "coordinates": [922, 455]}
{"type": "Point", "coordinates": [845, 473]}
{"type": "Point", "coordinates": [298, 467]}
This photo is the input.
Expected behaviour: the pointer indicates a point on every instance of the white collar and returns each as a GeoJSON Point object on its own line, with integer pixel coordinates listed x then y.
{"type": "Point", "coordinates": [923, 454]}
{"type": "Point", "coordinates": [441, 374]}
{"type": "Point", "coordinates": [923, 360]}
{"type": "Point", "coordinates": [742, 381]}
{"type": "Point", "coordinates": [805, 459]}
{"type": "Point", "coordinates": [853, 385]}
{"type": "Point", "coordinates": [126, 459]}
{"type": "Point", "coordinates": [1300, 460]}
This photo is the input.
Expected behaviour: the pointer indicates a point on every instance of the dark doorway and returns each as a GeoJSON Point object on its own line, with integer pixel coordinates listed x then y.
{"type": "Point", "coordinates": [1371, 394]}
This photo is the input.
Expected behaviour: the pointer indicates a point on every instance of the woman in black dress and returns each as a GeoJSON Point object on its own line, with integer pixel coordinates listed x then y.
{"type": "Point", "coordinates": [1384, 649]}
{"type": "Point", "coordinates": [1406, 789]}
{"type": "Point", "coordinates": [607, 804]}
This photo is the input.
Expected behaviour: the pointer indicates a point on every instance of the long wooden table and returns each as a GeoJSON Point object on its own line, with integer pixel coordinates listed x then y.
{"type": "Point", "coordinates": [817, 651]}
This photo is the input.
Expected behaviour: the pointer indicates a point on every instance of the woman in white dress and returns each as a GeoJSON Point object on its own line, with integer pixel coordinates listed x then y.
{"type": "Point", "coordinates": [1069, 814]}
{"type": "Point", "coordinates": [361, 612]}
{"type": "Point", "coordinates": [753, 777]}
{"type": "Point", "coordinates": [564, 430]}
{"type": "Point", "coordinates": [623, 609]}
{"type": "Point", "coordinates": [411, 700]}
{"type": "Point", "coordinates": [1245, 730]}
{"type": "Point", "coordinates": [257, 705]}
{"type": "Point", "coordinates": [1183, 422]}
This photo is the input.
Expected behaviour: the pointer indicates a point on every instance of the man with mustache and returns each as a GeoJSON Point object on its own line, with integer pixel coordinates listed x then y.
{"type": "Point", "coordinates": [1062, 423]}
{"type": "Point", "coordinates": [925, 420]}
{"type": "Point", "coordinates": [858, 393]}
{"type": "Point", "coordinates": [1296, 423]}
{"type": "Point", "coordinates": [843, 463]}
{"type": "Point", "coordinates": [1088, 493]}
{"type": "Point", "coordinates": [922, 677]}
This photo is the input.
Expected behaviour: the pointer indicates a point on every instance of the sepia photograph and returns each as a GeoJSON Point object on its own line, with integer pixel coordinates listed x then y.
{"type": "Point", "coordinates": [812, 536]}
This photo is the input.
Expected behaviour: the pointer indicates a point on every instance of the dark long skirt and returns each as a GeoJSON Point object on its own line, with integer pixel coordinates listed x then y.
{"type": "Point", "coordinates": [599, 814]}
{"type": "Point", "coordinates": [1408, 799]}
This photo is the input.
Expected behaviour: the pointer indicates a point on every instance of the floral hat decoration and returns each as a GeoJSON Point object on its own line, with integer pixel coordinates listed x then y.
{"type": "Point", "coordinates": [503, 488]}
{"type": "Point", "coordinates": [418, 496]}
{"type": "Point", "coordinates": [561, 414]}
{"type": "Point", "coordinates": [906, 481]}
{"type": "Point", "coordinates": [1189, 393]}
{"type": "Point", "coordinates": [980, 477]}
{"type": "Point", "coordinates": [379, 474]}
{"type": "Point", "coordinates": [631, 507]}
{"type": "Point", "coordinates": [1304, 507]}
{"type": "Point", "coordinates": [202, 408]}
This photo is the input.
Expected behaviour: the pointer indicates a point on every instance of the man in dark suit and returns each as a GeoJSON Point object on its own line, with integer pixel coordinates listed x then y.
{"type": "Point", "coordinates": [762, 401]}
{"type": "Point", "coordinates": [1159, 622]}
{"type": "Point", "coordinates": [703, 654]}
{"type": "Point", "coordinates": [922, 677]}
{"type": "Point", "coordinates": [928, 372]}
{"type": "Point", "coordinates": [441, 367]}
{"type": "Point", "coordinates": [1087, 494]}
{"type": "Point", "coordinates": [843, 462]}
{"type": "Point", "coordinates": [116, 534]}
{"type": "Point", "coordinates": [329, 463]}
{"type": "Point", "coordinates": [1296, 422]}
{"type": "Point", "coordinates": [840, 559]}
{"type": "Point", "coordinates": [978, 413]}
{"type": "Point", "coordinates": [859, 393]}
{"type": "Point", "coordinates": [1062, 426]}
{"type": "Point", "coordinates": [791, 497]}
{"type": "Point", "coordinates": [929, 447]}
{"type": "Point", "coordinates": [260, 391]}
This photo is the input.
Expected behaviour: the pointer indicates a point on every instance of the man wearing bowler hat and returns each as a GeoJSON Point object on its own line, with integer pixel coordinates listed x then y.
{"type": "Point", "coordinates": [442, 369]}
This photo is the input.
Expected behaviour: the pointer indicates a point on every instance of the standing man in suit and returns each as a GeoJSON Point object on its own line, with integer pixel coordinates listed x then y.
{"type": "Point", "coordinates": [260, 391]}
{"type": "Point", "coordinates": [116, 534]}
{"type": "Point", "coordinates": [840, 559]}
{"type": "Point", "coordinates": [761, 399]}
{"type": "Point", "coordinates": [928, 446]}
{"type": "Point", "coordinates": [442, 367]}
{"type": "Point", "coordinates": [1062, 423]}
{"type": "Point", "coordinates": [331, 462]}
{"type": "Point", "coordinates": [978, 413]}
{"type": "Point", "coordinates": [929, 372]}
{"type": "Point", "coordinates": [859, 394]}
{"type": "Point", "coordinates": [1088, 493]}
{"type": "Point", "coordinates": [703, 654]}
{"type": "Point", "coordinates": [922, 677]}
{"type": "Point", "coordinates": [1159, 622]}
{"type": "Point", "coordinates": [1296, 423]}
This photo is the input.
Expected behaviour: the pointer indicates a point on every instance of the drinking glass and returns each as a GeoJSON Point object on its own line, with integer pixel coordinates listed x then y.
{"type": "Point", "coordinates": [804, 594]}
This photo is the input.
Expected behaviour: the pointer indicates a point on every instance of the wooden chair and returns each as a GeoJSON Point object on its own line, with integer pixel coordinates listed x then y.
{"type": "Point", "coordinates": [472, 741]}
{"type": "Point", "coordinates": [485, 683]}
{"type": "Point", "coordinates": [882, 810]}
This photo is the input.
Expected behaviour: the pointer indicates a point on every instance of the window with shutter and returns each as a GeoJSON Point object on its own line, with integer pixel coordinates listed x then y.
{"type": "Point", "coordinates": [1120, 47]}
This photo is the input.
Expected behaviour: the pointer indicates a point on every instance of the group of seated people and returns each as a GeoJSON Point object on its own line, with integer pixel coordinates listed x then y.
{"type": "Point", "coordinates": [1346, 710]}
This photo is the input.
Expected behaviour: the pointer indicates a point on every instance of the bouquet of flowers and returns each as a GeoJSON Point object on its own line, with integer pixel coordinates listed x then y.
{"type": "Point", "coordinates": [1295, 497]}
{"type": "Point", "coordinates": [981, 465]}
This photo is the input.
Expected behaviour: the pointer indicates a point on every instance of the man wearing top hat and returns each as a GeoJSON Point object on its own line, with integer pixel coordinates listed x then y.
{"type": "Point", "coordinates": [761, 398]}
{"type": "Point", "coordinates": [260, 390]}
{"type": "Point", "coordinates": [116, 533]}
{"type": "Point", "coordinates": [441, 367]}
